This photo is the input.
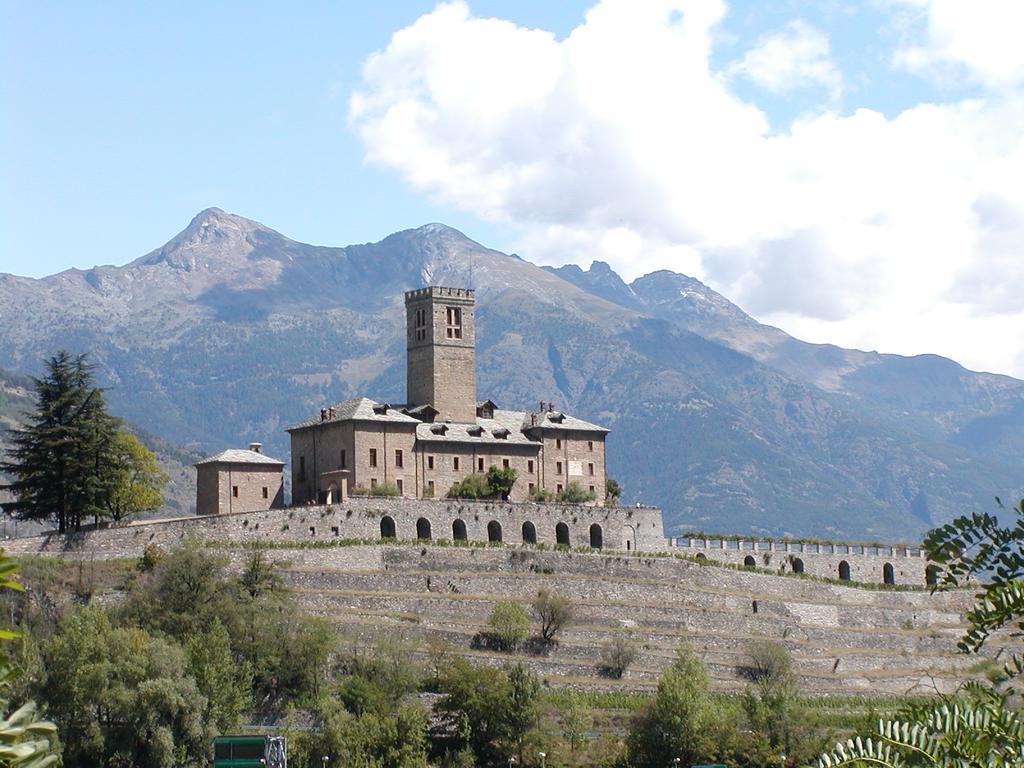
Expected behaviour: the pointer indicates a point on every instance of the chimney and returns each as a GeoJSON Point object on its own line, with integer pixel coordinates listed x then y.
{"type": "Point", "coordinates": [323, 414]}
{"type": "Point", "coordinates": [256, 447]}
{"type": "Point", "coordinates": [542, 404]}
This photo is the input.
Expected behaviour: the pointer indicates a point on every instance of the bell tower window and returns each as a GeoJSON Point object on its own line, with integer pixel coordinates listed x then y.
{"type": "Point", "coordinates": [453, 321]}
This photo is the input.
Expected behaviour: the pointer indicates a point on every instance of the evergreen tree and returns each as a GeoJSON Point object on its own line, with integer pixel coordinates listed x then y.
{"type": "Point", "coordinates": [60, 460]}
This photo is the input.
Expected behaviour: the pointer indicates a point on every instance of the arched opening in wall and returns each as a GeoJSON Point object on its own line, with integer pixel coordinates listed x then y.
{"type": "Point", "coordinates": [562, 534]}
{"type": "Point", "coordinates": [701, 558]}
{"type": "Point", "coordinates": [749, 561]}
{"type": "Point", "coordinates": [529, 533]}
{"type": "Point", "coordinates": [798, 565]}
{"type": "Point", "coordinates": [387, 527]}
{"type": "Point", "coordinates": [844, 570]}
{"type": "Point", "coordinates": [459, 530]}
{"type": "Point", "coordinates": [494, 531]}
{"type": "Point", "coordinates": [332, 494]}
{"type": "Point", "coordinates": [931, 575]}
{"type": "Point", "coordinates": [596, 537]}
{"type": "Point", "coordinates": [888, 575]}
{"type": "Point", "coordinates": [628, 538]}
{"type": "Point", "coordinates": [423, 528]}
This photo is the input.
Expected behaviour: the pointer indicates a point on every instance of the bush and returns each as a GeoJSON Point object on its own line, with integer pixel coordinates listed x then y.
{"type": "Point", "coordinates": [509, 624]}
{"type": "Point", "coordinates": [542, 495]}
{"type": "Point", "coordinates": [612, 492]}
{"type": "Point", "coordinates": [385, 489]}
{"type": "Point", "coordinates": [471, 487]}
{"type": "Point", "coordinates": [618, 655]}
{"type": "Point", "coordinates": [501, 480]}
{"type": "Point", "coordinates": [554, 611]}
{"type": "Point", "coordinates": [575, 494]}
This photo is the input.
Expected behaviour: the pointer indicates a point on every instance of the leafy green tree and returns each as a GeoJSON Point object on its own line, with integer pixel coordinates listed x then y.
{"type": "Point", "coordinates": [135, 479]}
{"type": "Point", "coordinates": [576, 723]}
{"type": "Point", "coordinates": [492, 710]}
{"type": "Point", "coordinates": [981, 726]}
{"type": "Point", "coordinates": [260, 576]}
{"type": "Point", "coordinates": [618, 655]}
{"type": "Point", "coordinates": [122, 697]}
{"type": "Point", "coordinates": [509, 624]}
{"type": "Point", "coordinates": [26, 740]}
{"type": "Point", "coordinates": [500, 480]}
{"type": "Point", "coordinates": [392, 739]}
{"type": "Point", "coordinates": [677, 724]}
{"type": "Point", "coordinates": [473, 486]}
{"type": "Point", "coordinates": [575, 493]}
{"type": "Point", "coordinates": [769, 702]}
{"type": "Point", "coordinates": [554, 612]}
{"type": "Point", "coordinates": [612, 492]}
{"type": "Point", "coordinates": [60, 460]}
{"type": "Point", "coordinates": [226, 684]}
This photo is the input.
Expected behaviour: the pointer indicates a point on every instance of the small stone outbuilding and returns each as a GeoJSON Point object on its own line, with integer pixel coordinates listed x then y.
{"type": "Point", "coordinates": [239, 480]}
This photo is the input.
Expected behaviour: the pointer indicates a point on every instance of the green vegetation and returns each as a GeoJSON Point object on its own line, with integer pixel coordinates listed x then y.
{"type": "Point", "coordinates": [72, 461]}
{"type": "Point", "coordinates": [618, 655]}
{"type": "Point", "coordinates": [981, 725]}
{"type": "Point", "coordinates": [496, 484]}
{"type": "Point", "coordinates": [612, 492]}
{"type": "Point", "coordinates": [508, 625]}
{"type": "Point", "coordinates": [554, 612]}
{"type": "Point", "coordinates": [575, 493]}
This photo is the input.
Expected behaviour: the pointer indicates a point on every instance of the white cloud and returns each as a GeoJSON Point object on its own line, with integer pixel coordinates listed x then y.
{"type": "Point", "coordinates": [980, 39]}
{"type": "Point", "coordinates": [620, 143]}
{"type": "Point", "coordinates": [795, 57]}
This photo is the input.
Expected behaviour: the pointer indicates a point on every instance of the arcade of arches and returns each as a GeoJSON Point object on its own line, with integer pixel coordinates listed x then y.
{"type": "Point", "coordinates": [496, 534]}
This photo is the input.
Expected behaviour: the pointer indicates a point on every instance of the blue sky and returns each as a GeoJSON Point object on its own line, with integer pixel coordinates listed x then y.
{"type": "Point", "coordinates": [848, 171]}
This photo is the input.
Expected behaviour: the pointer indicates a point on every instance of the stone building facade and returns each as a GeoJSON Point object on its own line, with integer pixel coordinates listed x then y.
{"type": "Point", "coordinates": [443, 434]}
{"type": "Point", "coordinates": [239, 480]}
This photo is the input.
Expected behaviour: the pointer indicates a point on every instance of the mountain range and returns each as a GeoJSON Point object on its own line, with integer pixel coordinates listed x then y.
{"type": "Point", "coordinates": [231, 331]}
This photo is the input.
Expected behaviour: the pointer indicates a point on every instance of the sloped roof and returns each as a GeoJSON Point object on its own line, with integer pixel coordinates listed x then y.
{"type": "Point", "coordinates": [504, 422]}
{"type": "Point", "coordinates": [559, 420]}
{"type": "Point", "coordinates": [358, 409]}
{"type": "Point", "coordinates": [240, 456]}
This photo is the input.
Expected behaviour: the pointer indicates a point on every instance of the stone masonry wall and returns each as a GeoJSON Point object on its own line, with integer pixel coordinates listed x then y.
{"type": "Point", "coordinates": [360, 518]}
{"type": "Point", "coordinates": [866, 562]}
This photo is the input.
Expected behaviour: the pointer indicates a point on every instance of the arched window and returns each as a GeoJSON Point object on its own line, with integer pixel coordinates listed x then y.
{"type": "Point", "coordinates": [529, 533]}
{"type": "Point", "coordinates": [596, 536]}
{"type": "Point", "coordinates": [798, 565]}
{"type": "Point", "coordinates": [423, 528]}
{"type": "Point", "coordinates": [562, 534]}
{"type": "Point", "coordinates": [459, 530]}
{"type": "Point", "coordinates": [888, 575]}
{"type": "Point", "coordinates": [387, 528]}
{"type": "Point", "coordinates": [749, 561]}
{"type": "Point", "coordinates": [844, 570]}
{"type": "Point", "coordinates": [931, 575]}
{"type": "Point", "coordinates": [494, 531]}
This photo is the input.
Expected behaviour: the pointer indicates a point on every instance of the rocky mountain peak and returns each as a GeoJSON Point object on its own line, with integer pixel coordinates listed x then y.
{"type": "Point", "coordinates": [212, 237]}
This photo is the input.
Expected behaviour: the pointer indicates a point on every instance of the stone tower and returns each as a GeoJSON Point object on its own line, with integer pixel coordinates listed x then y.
{"type": "Point", "coordinates": [441, 364]}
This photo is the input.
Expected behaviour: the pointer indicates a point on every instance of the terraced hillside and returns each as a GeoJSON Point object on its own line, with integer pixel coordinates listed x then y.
{"type": "Point", "coordinates": [844, 639]}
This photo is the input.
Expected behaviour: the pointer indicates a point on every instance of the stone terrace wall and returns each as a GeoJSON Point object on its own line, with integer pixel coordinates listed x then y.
{"type": "Point", "coordinates": [866, 562]}
{"type": "Point", "coordinates": [360, 518]}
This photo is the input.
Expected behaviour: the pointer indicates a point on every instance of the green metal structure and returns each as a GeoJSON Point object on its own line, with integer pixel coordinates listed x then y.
{"type": "Point", "coordinates": [250, 752]}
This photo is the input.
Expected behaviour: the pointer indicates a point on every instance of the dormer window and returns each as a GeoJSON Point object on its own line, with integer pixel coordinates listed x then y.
{"type": "Point", "coordinates": [475, 431]}
{"type": "Point", "coordinates": [501, 433]}
{"type": "Point", "coordinates": [438, 429]}
{"type": "Point", "coordinates": [381, 409]}
{"type": "Point", "coordinates": [453, 322]}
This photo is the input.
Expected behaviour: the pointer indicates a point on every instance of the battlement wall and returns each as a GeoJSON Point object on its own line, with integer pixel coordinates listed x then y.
{"type": "Point", "coordinates": [864, 563]}
{"type": "Point", "coordinates": [620, 528]}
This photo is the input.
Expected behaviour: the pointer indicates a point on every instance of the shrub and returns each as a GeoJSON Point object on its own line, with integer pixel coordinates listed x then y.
{"type": "Point", "coordinates": [385, 489]}
{"type": "Point", "coordinates": [575, 494]}
{"type": "Point", "coordinates": [554, 611]}
{"type": "Point", "coordinates": [618, 655]}
{"type": "Point", "coordinates": [471, 487]}
{"type": "Point", "coordinates": [500, 480]}
{"type": "Point", "coordinates": [509, 624]}
{"type": "Point", "coordinates": [542, 495]}
{"type": "Point", "coordinates": [612, 492]}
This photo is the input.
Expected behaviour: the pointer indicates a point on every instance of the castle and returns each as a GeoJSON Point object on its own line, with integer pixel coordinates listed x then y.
{"type": "Point", "coordinates": [419, 449]}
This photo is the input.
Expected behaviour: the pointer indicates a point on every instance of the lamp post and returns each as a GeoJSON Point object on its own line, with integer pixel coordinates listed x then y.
{"type": "Point", "coordinates": [543, 759]}
{"type": "Point", "coordinates": [511, 761]}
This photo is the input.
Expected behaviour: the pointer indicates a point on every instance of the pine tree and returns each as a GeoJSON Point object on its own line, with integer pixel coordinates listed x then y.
{"type": "Point", "coordinates": [60, 461]}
